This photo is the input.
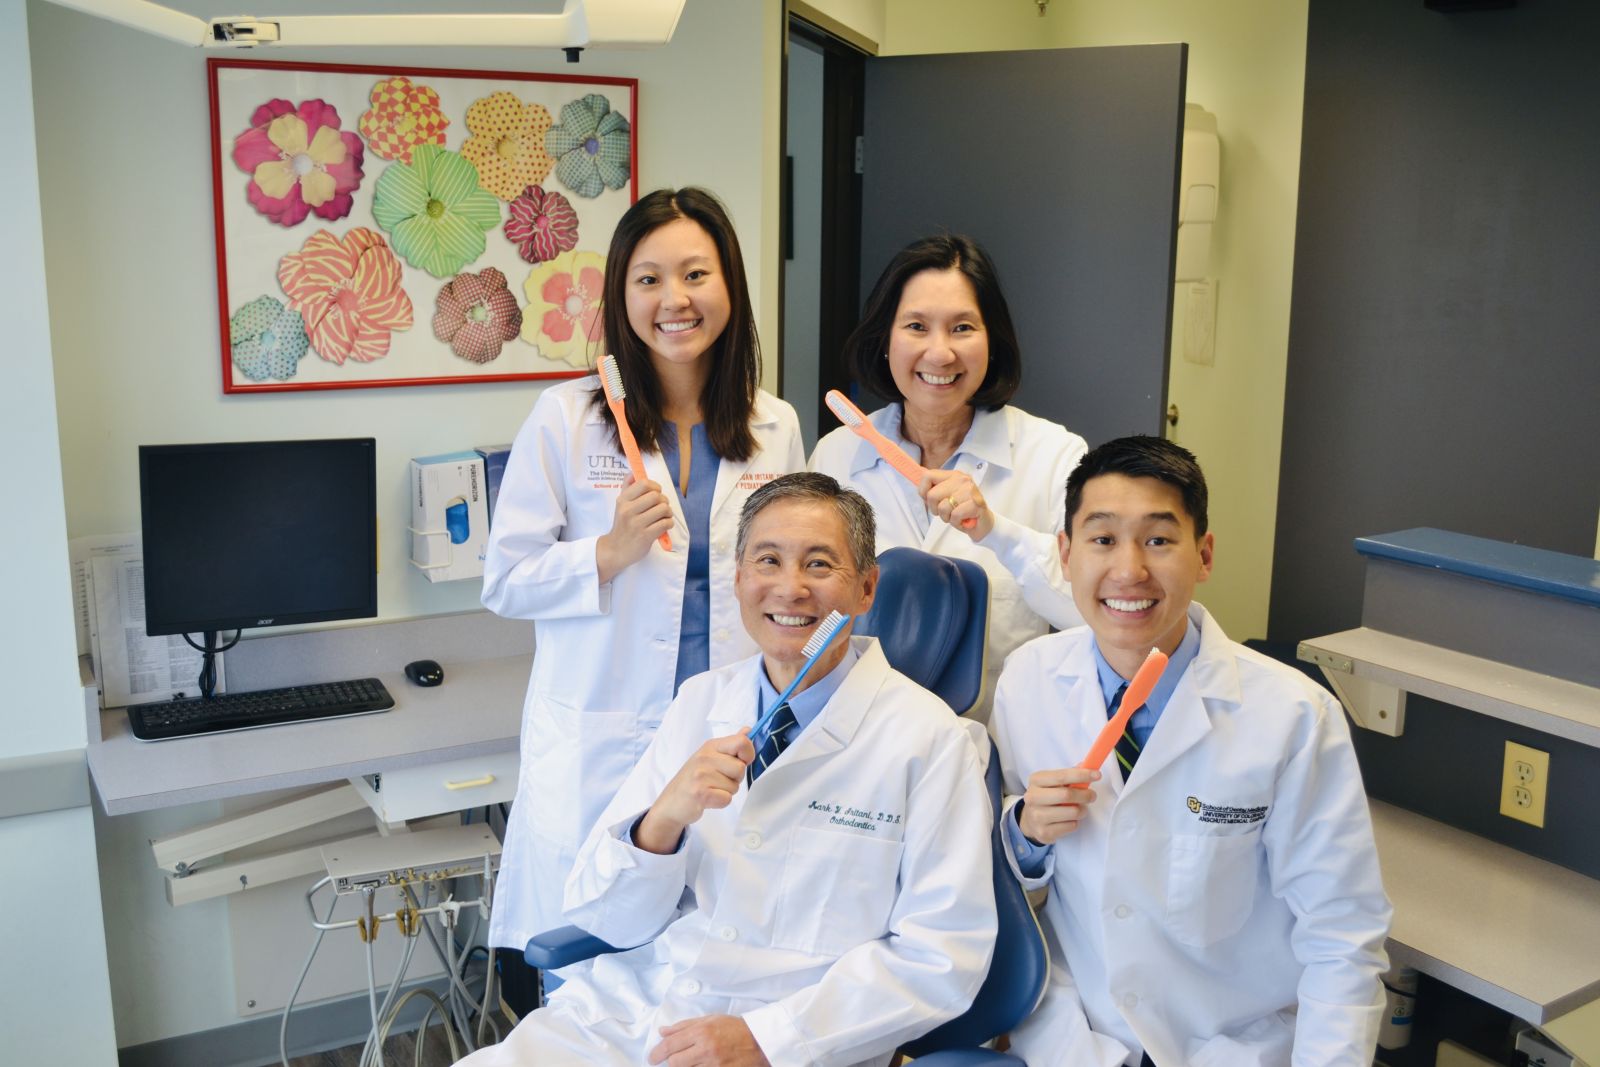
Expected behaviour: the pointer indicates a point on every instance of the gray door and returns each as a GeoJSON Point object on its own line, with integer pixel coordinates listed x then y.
{"type": "Point", "coordinates": [1064, 165]}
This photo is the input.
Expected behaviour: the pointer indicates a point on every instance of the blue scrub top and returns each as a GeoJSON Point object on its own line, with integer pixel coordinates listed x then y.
{"type": "Point", "coordinates": [694, 629]}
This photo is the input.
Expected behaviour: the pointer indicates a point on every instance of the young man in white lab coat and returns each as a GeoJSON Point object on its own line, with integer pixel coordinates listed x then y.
{"type": "Point", "coordinates": [1215, 899]}
{"type": "Point", "coordinates": [815, 905]}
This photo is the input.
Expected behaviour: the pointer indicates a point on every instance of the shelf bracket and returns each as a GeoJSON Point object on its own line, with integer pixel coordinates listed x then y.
{"type": "Point", "coordinates": [1373, 705]}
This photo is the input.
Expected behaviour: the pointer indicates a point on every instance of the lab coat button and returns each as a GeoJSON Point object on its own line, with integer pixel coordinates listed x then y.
{"type": "Point", "coordinates": [1123, 911]}
{"type": "Point", "coordinates": [689, 987]}
{"type": "Point", "coordinates": [1130, 1001]}
{"type": "Point", "coordinates": [752, 841]}
{"type": "Point", "coordinates": [728, 933]}
{"type": "Point", "coordinates": [720, 635]}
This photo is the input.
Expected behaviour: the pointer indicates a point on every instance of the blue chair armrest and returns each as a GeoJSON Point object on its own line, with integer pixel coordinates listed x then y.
{"type": "Point", "coordinates": [564, 946]}
{"type": "Point", "coordinates": [967, 1057]}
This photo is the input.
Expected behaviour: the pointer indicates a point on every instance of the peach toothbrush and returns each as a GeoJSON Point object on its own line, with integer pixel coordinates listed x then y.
{"type": "Point", "coordinates": [616, 393]}
{"type": "Point", "coordinates": [1138, 691]}
{"type": "Point", "coordinates": [896, 457]}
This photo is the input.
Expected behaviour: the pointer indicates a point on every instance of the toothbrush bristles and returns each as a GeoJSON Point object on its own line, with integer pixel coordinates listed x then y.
{"type": "Point", "coordinates": [611, 374]}
{"type": "Point", "coordinates": [823, 632]}
{"type": "Point", "coordinates": [842, 408]}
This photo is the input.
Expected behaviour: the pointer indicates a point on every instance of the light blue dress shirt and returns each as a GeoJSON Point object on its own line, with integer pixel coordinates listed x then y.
{"type": "Point", "coordinates": [1031, 857]}
{"type": "Point", "coordinates": [809, 702]}
{"type": "Point", "coordinates": [694, 627]}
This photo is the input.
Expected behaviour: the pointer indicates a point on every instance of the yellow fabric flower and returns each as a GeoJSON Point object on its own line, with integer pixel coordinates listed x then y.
{"type": "Point", "coordinates": [506, 144]}
{"type": "Point", "coordinates": [563, 313]}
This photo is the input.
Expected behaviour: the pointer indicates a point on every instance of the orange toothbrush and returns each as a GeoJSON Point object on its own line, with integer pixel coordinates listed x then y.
{"type": "Point", "coordinates": [1138, 691]}
{"type": "Point", "coordinates": [616, 393]}
{"type": "Point", "coordinates": [893, 454]}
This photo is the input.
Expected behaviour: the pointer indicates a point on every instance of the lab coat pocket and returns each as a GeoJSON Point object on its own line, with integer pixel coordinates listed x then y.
{"type": "Point", "coordinates": [837, 891]}
{"type": "Point", "coordinates": [573, 761]}
{"type": "Point", "coordinates": [1211, 885]}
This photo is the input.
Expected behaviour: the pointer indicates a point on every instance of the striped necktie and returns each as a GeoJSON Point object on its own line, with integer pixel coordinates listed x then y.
{"type": "Point", "coordinates": [777, 740]}
{"type": "Point", "coordinates": [1127, 747]}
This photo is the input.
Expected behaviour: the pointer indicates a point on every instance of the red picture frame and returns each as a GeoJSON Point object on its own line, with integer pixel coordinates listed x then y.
{"type": "Point", "coordinates": [333, 273]}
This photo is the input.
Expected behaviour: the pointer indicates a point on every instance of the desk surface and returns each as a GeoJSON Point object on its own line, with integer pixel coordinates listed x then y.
{"type": "Point", "coordinates": [1515, 931]}
{"type": "Point", "coordinates": [476, 712]}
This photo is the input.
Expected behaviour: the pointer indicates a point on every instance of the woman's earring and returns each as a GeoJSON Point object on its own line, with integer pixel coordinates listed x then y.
{"type": "Point", "coordinates": [886, 355]}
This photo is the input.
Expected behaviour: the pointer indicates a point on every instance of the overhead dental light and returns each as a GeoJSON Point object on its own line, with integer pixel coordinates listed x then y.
{"type": "Point", "coordinates": [580, 24]}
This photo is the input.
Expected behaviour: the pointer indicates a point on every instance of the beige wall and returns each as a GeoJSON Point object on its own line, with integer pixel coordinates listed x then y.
{"type": "Point", "coordinates": [1247, 66]}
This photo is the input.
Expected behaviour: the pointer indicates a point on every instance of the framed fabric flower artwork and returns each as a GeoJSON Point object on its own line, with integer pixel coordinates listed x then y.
{"type": "Point", "coordinates": [352, 203]}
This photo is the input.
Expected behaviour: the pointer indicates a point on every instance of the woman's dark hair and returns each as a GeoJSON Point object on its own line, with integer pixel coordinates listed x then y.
{"type": "Point", "coordinates": [729, 398]}
{"type": "Point", "coordinates": [867, 345]}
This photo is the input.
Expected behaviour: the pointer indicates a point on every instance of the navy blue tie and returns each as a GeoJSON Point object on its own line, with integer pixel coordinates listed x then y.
{"type": "Point", "coordinates": [1127, 747]}
{"type": "Point", "coordinates": [777, 740]}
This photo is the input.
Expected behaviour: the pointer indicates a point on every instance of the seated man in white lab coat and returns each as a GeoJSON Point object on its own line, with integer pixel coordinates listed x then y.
{"type": "Point", "coordinates": [816, 903]}
{"type": "Point", "coordinates": [1219, 901]}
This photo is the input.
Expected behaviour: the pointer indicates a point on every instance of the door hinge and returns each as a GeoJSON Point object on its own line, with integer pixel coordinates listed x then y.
{"type": "Point", "coordinates": [861, 151]}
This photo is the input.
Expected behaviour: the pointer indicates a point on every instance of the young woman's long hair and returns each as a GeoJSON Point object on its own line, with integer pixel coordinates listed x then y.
{"type": "Point", "coordinates": [729, 398]}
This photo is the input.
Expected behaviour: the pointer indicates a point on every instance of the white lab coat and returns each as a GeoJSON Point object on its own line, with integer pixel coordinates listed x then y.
{"type": "Point", "coordinates": [1020, 464]}
{"type": "Point", "coordinates": [1231, 883]}
{"type": "Point", "coordinates": [604, 655]}
{"type": "Point", "coordinates": [841, 905]}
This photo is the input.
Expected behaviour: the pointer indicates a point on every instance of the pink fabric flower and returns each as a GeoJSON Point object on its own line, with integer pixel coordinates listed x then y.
{"type": "Point", "coordinates": [477, 314]}
{"type": "Point", "coordinates": [299, 161]}
{"type": "Point", "coordinates": [542, 225]}
{"type": "Point", "coordinates": [348, 290]}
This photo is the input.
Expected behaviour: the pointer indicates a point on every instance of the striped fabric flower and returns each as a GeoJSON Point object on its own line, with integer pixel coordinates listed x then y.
{"type": "Point", "coordinates": [506, 143]}
{"type": "Point", "coordinates": [299, 161]}
{"type": "Point", "coordinates": [434, 211]}
{"type": "Point", "coordinates": [477, 315]}
{"type": "Point", "coordinates": [563, 312]}
{"type": "Point", "coordinates": [267, 339]}
{"type": "Point", "coordinates": [403, 115]}
{"type": "Point", "coordinates": [542, 225]}
{"type": "Point", "coordinates": [591, 146]}
{"type": "Point", "coordinates": [348, 290]}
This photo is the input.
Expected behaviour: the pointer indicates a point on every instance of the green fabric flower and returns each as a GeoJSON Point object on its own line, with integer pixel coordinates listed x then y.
{"type": "Point", "coordinates": [591, 145]}
{"type": "Point", "coordinates": [434, 210]}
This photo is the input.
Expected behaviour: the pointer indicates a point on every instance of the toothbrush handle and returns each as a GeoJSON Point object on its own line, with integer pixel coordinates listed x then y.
{"type": "Point", "coordinates": [896, 457]}
{"type": "Point", "coordinates": [630, 448]}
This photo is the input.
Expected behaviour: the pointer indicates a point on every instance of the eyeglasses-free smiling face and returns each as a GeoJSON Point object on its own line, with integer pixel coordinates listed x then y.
{"type": "Point", "coordinates": [677, 296]}
{"type": "Point", "coordinates": [938, 348]}
{"type": "Point", "coordinates": [1133, 561]}
{"type": "Point", "coordinates": [796, 568]}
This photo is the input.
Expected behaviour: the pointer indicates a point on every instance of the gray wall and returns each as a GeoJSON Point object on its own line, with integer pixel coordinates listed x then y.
{"type": "Point", "coordinates": [1444, 368]}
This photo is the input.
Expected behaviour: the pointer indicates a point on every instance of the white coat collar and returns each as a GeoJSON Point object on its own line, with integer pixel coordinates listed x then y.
{"type": "Point", "coordinates": [988, 439]}
{"type": "Point", "coordinates": [833, 727]}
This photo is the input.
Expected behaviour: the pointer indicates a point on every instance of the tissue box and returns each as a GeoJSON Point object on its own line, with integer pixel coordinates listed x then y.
{"type": "Point", "coordinates": [494, 468]}
{"type": "Point", "coordinates": [449, 516]}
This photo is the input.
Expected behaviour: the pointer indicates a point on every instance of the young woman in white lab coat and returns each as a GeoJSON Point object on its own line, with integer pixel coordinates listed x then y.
{"type": "Point", "coordinates": [620, 621]}
{"type": "Point", "coordinates": [936, 335]}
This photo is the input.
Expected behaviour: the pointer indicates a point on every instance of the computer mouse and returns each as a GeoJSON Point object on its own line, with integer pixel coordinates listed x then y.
{"type": "Point", "coordinates": [425, 672]}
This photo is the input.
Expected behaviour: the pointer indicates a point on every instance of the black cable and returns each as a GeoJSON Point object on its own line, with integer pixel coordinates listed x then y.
{"type": "Point", "coordinates": [208, 660]}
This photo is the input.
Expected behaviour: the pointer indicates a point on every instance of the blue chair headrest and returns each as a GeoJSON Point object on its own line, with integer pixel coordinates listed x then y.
{"type": "Point", "coordinates": [931, 616]}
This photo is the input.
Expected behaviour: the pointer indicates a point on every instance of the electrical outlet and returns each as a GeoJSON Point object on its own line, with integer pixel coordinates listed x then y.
{"type": "Point", "coordinates": [1524, 783]}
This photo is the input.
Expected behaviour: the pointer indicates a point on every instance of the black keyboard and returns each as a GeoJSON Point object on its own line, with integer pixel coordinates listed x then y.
{"type": "Point", "coordinates": [187, 716]}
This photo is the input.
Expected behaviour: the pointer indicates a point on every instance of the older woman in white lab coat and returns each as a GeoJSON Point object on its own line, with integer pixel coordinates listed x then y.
{"type": "Point", "coordinates": [621, 621]}
{"type": "Point", "coordinates": [937, 334]}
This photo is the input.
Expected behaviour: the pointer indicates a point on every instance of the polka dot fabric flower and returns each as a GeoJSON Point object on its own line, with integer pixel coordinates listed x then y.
{"type": "Point", "coordinates": [299, 161]}
{"type": "Point", "coordinates": [403, 115]}
{"type": "Point", "coordinates": [348, 290]}
{"type": "Point", "coordinates": [434, 210]}
{"type": "Point", "coordinates": [542, 225]}
{"type": "Point", "coordinates": [563, 312]}
{"type": "Point", "coordinates": [477, 314]}
{"type": "Point", "coordinates": [507, 143]}
{"type": "Point", "coordinates": [268, 339]}
{"type": "Point", "coordinates": [591, 146]}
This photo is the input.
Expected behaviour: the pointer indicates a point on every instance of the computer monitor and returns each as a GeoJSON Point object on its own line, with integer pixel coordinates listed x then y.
{"type": "Point", "coordinates": [258, 533]}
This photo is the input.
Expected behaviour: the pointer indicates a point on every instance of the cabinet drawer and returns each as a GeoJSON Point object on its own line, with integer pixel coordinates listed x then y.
{"type": "Point", "coordinates": [417, 792]}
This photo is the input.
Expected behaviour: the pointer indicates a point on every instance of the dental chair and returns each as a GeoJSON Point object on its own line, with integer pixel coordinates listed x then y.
{"type": "Point", "coordinates": [930, 616]}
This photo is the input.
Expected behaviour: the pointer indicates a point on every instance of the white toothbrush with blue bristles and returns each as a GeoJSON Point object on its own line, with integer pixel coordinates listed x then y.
{"type": "Point", "coordinates": [821, 638]}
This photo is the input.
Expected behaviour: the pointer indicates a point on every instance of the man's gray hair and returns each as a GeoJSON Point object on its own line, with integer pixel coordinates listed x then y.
{"type": "Point", "coordinates": [860, 528]}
